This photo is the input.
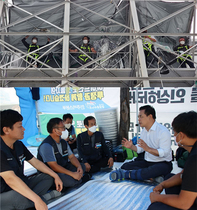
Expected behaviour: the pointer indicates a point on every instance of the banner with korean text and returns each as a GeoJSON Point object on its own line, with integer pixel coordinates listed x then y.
{"type": "Point", "coordinates": [80, 102]}
{"type": "Point", "coordinates": [168, 103]}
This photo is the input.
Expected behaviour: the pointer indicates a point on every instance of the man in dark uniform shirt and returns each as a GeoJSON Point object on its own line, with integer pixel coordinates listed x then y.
{"type": "Point", "coordinates": [16, 190]}
{"type": "Point", "coordinates": [55, 152]}
{"type": "Point", "coordinates": [181, 189]}
{"type": "Point", "coordinates": [93, 151]}
{"type": "Point", "coordinates": [72, 139]}
{"type": "Point", "coordinates": [182, 47]}
{"type": "Point", "coordinates": [32, 47]}
{"type": "Point", "coordinates": [86, 47]}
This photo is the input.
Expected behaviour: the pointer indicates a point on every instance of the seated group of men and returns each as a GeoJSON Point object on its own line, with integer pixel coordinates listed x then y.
{"type": "Point", "coordinates": [58, 167]}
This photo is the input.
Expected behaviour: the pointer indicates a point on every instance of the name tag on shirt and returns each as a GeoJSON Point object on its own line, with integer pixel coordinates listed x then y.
{"type": "Point", "coordinates": [21, 158]}
{"type": "Point", "coordinates": [65, 153]}
{"type": "Point", "coordinates": [97, 145]}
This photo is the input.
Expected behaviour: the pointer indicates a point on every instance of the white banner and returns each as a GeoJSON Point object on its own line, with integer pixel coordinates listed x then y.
{"type": "Point", "coordinates": [167, 102]}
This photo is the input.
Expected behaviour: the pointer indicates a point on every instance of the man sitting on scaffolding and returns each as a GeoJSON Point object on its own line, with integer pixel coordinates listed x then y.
{"type": "Point", "coordinates": [86, 47]}
{"type": "Point", "coordinates": [182, 47]}
{"type": "Point", "coordinates": [148, 47]}
{"type": "Point", "coordinates": [32, 47]}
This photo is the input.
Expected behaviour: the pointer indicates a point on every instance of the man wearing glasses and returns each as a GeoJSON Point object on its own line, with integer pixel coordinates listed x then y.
{"type": "Point", "coordinates": [56, 153]}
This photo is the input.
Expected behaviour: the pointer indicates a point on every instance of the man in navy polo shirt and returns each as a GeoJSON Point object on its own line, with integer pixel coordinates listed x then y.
{"type": "Point", "coordinates": [55, 152]}
{"type": "Point", "coordinates": [16, 190]}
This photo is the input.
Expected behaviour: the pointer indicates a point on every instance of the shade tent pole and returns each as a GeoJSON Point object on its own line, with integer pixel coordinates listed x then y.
{"type": "Point", "coordinates": [137, 123]}
{"type": "Point", "coordinates": [65, 47]}
{"type": "Point", "coordinates": [194, 30]}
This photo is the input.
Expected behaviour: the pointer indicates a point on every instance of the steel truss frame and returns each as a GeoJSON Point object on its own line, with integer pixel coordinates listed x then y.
{"type": "Point", "coordinates": [66, 78]}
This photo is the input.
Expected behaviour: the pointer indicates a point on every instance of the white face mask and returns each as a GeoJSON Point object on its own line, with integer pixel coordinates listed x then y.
{"type": "Point", "coordinates": [92, 129]}
{"type": "Point", "coordinates": [182, 42]}
{"type": "Point", "coordinates": [85, 41]}
{"type": "Point", "coordinates": [176, 143]}
{"type": "Point", "coordinates": [34, 41]}
{"type": "Point", "coordinates": [64, 134]}
{"type": "Point", "coordinates": [179, 143]}
{"type": "Point", "coordinates": [68, 125]}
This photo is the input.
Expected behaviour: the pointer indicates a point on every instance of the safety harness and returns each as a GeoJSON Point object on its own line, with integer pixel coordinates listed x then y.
{"type": "Point", "coordinates": [181, 48]}
{"type": "Point", "coordinates": [148, 44]}
{"type": "Point", "coordinates": [83, 57]}
{"type": "Point", "coordinates": [35, 55]}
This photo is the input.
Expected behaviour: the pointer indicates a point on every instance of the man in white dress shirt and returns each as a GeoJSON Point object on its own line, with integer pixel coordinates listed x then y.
{"type": "Point", "coordinates": [155, 142]}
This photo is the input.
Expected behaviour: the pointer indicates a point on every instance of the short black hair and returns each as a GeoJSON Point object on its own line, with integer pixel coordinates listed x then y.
{"type": "Point", "coordinates": [65, 116]}
{"type": "Point", "coordinates": [8, 118]}
{"type": "Point", "coordinates": [148, 110]}
{"type": "Point", "coordinates": [53, 122]}
{"type": "Point", "coordinates": [186, 122]}
{"type": "Point", "coordinates": [34, 38]}
{"type": "Point", "coordinates": [87, 38]}
{"type": "Point", "coordinates": [87, 119]}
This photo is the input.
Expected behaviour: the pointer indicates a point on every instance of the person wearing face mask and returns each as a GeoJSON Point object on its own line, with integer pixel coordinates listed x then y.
{"type": "Point", "coordinates": [92, 149]}
{"type": "Point", "coordinates": [71, 139]}
{"type": "Point", "coordinates": [182, 47]}
{"type": "Point", "coordinates": [32, 47]}
{"type": "Point", "coordinates": [87, 48]}
{"type": "Point", "coordinates": [180, 189]}
{"type": "Point", "coordinates": [55, 152]}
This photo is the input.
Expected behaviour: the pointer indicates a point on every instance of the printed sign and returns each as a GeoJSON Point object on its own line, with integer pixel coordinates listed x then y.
{"type": "Point", "coordinates": [168, 103]}
{"type": "Point", "coordinates": [80, 102]}
{"type": "Point", "coordinates": [77, 100]}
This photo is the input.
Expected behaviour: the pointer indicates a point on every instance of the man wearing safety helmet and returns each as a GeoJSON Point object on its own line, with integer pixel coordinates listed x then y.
{"type": "Point", "coordinates": [181, 48]}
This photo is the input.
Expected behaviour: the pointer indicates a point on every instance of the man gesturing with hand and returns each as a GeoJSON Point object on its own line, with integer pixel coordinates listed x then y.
{"type": "Point", "coordinates": [155, 143]}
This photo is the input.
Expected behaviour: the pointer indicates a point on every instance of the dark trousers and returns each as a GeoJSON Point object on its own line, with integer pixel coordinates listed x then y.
{"type": "Point", "coordinates": [67, 180]}
{"type": "Point", "coordinates": [31, 60]}
{"type": "Point", "coordinates": [172, 190]}
{"type": "Point", "coordinates": [40, 184]}
{"type": "Point", "coordinates": [150, 58]}
{"type": "Point", "coordinates": [97, 165]}
{"type": "Point", "coordinates": [147, 170]}
{"type": "Point", "coordinates": [183, 63]}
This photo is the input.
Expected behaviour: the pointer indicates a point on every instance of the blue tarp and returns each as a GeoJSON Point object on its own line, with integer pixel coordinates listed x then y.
{"type": "Point", "coordinates": [28, 111]}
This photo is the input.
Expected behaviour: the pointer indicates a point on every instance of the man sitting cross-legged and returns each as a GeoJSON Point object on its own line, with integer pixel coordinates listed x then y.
{"type": "Point", "coordinates": [93, 151]}
{"type": "Point", "coordinates": [56, 153]}
{"type": "Point", "coordinates": [155, 141]}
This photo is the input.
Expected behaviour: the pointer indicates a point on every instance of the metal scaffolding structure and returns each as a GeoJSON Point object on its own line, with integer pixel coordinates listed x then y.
{"type": "Point", "coordinates": [130, 68]}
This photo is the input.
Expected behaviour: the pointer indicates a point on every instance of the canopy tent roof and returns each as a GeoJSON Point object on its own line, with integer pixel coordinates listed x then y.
{"type": "Point", "coordinates": [115, 29]}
